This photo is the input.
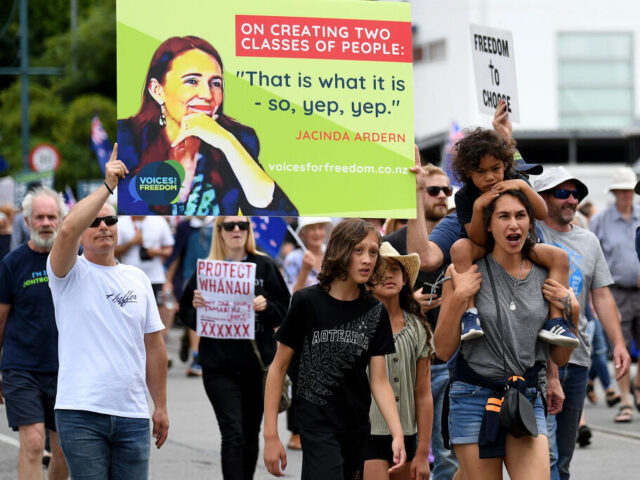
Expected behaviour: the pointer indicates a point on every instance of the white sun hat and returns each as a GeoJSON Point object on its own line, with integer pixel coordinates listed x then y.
{"type": "Point", "coordinates": [623, 179]}
{"type": "Point", "coordinates": [306, 221]}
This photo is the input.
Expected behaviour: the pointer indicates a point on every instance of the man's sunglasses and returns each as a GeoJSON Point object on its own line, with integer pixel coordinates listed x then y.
{"type": "Point", "coordinates": [435, 191]}
{"type": "Point", "coordinates": [109, 220]}
{"type": "Point", "coordinates": [229, 226]}
{"type": "Point", "coordinates": [563, 193]}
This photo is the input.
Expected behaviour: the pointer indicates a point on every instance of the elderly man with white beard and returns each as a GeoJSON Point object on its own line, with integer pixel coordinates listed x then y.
{"type": "Point", "coordinates": [29, 337]}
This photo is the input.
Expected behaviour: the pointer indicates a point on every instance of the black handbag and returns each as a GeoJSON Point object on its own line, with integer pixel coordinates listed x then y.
{"type": "Point", "coordinates": [517, 417]}
{"type": "Point", "coordinates": [516, 413]}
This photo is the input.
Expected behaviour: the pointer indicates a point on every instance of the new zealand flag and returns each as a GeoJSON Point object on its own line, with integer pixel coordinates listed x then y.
{"type": "Point", "coordinates": [100, 142]}
{"type": "Point", "coordinates": [269, 233]}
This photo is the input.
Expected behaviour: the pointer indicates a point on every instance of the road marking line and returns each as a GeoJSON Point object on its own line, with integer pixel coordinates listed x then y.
{"type": "Point", "coordinates": [616, 433]}
{"type": "Point", "coordinates": [9, 440]}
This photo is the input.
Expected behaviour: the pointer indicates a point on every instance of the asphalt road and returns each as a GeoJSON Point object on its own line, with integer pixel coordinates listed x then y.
{"type": "Point", "coordinates": [192, 450]}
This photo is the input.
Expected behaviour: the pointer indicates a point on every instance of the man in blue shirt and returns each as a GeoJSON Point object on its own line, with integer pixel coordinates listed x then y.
{"type": "Point", "coordinates": [29, 338]}
{"type": "Point", "coordinates": [615, 227]}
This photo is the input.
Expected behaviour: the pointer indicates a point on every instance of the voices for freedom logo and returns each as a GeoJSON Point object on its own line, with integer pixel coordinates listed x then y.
{"type": "Point", "coordinates": [158, 183]}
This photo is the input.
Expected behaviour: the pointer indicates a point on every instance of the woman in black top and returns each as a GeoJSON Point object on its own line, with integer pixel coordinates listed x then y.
{"type": "Point", "coordinates": [232, 375]}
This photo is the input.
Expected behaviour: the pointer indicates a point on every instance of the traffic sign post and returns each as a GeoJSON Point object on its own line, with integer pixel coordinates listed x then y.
{"type": "Point", "coordinates": [44, 158]}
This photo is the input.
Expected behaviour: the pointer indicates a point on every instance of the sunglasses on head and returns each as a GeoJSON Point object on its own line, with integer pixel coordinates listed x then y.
{"type": "Point", "coordinates": [563, 193]}
{"type": "Point", "coordinates": [435, 191]}
{"type": "Point", "coordinates": [229, 226]}
{"type": "Point", "coordinates": [109, 220]}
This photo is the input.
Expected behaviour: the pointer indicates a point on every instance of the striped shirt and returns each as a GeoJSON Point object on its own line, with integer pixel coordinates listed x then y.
{"type": "Point", "coordinates": [411, 345]}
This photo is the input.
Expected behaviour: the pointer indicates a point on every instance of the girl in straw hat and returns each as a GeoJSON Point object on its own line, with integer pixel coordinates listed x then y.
{"type": "Point", "coordinates": [408, 371]}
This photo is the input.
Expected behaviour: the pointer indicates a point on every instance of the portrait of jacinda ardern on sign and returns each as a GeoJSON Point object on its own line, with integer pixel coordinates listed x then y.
{"type": "Point", "coordinates": [186, 157]}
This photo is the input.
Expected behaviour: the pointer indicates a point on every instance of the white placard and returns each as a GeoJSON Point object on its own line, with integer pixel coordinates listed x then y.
{"type": "Point", "coordinates": [228, 292]}
{"type": "Point", "coordinates": [495, 69]}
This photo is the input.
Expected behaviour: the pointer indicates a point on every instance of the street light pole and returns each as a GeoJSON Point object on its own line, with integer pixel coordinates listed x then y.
{"type": "Point", "coordinates": [24, 82]}
{"type": "Point", "coordinates": [74, 26]}
{"type": "Point", "coordinates": [24, 71]}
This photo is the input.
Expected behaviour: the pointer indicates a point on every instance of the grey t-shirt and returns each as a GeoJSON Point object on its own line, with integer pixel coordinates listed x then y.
{"type": "Point", "coordinates": [587, 270]}
{"type": "Point", "coordinates": [517, 329]}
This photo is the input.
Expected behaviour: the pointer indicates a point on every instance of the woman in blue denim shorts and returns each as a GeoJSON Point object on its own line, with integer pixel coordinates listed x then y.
{"type": "Point", "coordinates": [509, 347]}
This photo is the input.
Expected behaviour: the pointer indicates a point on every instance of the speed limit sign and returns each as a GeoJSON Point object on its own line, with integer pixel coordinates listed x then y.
{"type": "Point", "coordinates": [44, 158]}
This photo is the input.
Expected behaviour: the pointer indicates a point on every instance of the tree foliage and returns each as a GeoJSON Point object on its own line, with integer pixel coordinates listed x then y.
{"type": "Point", "coordinates": [90, 67]}
{"type": "Point", "coordinates": [45, 109]}
{"type": "Point", "coordinates": [72, 134]}
{"type": "Point", "coordinates": [60, 107]}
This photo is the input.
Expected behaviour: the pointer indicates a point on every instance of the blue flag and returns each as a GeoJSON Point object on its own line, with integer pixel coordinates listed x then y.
{"type": "Point", "coordinates": [69, 197]}
{"type": "Point", "coordinates": [100, 142]}
{"type": "Point", "coordinates": [269, 233]}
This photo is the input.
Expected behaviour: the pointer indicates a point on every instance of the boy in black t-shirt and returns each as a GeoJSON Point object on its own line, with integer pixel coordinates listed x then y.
{"type": "Point", "coordinates": [332, 333]}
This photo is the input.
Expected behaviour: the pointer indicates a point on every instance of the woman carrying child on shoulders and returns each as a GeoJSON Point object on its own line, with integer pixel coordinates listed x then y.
{"type": "Point", "coordinates": [511, 296]}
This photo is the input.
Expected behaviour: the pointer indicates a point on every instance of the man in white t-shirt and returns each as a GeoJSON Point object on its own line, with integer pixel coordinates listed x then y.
{"type": "Point", "coordinates": [146, 242]}
{"type": "Point", "coordinates": [110, 345]}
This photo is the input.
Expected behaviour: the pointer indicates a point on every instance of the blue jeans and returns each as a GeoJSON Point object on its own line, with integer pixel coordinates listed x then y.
{"type": "Point", "coordinates": [563, 427]}
{"type": "Point", "coordinates": [445, 464]}
{"type": "Point", "coordinates": [101, 447]}
{"type": "Point", "coordinates": [599, 347]}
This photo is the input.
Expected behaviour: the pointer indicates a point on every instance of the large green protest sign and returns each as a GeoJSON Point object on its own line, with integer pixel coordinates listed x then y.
{"type": "Point", "coordinates": [265, 108]}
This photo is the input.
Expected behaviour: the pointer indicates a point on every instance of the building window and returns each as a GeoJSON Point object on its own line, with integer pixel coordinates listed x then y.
{"type": "Point", "coordinates": [595, 79]}
{"type": "Point", "coordinates": [435, 51]}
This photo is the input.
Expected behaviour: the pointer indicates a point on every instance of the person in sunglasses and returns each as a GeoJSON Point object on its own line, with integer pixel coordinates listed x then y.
{"type": "Point", "coordinates": [484, 162]}
{"type": "Point", "coordinates": [589, 274]}
{"type": "Point", "coordinates": [110, 345]}
{"type": "Point", "coordinates": [231, 372]}
{"type": "Point", "coordinates": [433, 191]}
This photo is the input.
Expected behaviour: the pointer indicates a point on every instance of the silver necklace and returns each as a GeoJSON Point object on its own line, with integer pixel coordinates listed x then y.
{"type": "Point", "coordinates": [512, 305]}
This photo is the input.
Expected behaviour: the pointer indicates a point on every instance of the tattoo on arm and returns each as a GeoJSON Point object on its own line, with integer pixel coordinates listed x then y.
{"type": "Point", "coordinates": [567, 309]}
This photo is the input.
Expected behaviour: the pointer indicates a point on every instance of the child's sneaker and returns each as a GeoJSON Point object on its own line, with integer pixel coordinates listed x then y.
{"type": "Point", "coordinates": [556, 331]}
{"type": "Point", "coordinates": [470, 327]}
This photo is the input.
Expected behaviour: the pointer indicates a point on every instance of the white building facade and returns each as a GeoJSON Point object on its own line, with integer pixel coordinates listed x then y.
{"type": "Point", "coordinates": [577, 67]}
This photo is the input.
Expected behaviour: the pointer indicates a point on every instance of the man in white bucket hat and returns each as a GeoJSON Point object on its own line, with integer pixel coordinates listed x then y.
{"type": "Point", "coordinates": [588, 274]}
{"type": "Point", "coordinates": [615, 227]}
